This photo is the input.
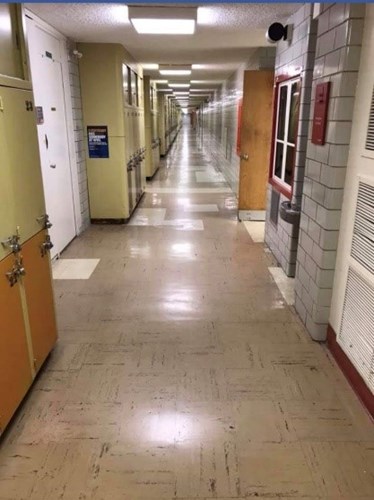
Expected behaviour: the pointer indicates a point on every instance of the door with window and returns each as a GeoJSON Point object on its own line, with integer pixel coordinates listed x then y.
{"type": "Point", "coordinates": [352, 311]}
{"type": "Point", "coordinates": [46, 72]}
{"type": "Point", "coordinates": [285, 134]}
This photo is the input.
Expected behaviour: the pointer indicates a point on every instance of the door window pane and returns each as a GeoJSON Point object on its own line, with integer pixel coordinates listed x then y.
{"type": "Point", "coordinates": [134, 89]}
{"type": "Point", "coordinates": [289, 165]}
{"type": "Point", "coordinates": [282, 112]}
{"type": "Point", "coordinates": [278, 159]}
{"type": "Point", "coordinates": [294, 113]}
{"type": "Point", "coordinates": [126, 84]}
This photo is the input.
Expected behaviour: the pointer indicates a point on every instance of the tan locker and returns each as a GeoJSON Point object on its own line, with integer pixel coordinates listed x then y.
{"type": "Point", "coordinates": [39, 297]}
{"type": "Point", "coordinates": [11, 56]}
{"type": "Point", "coordinates": [15, 369]}
{"type": "Point", "coordinates": [111, 94]}
{"type": "Point", "coordinates": [7, 219]}
{"type": "Point", "coordinates": [27, 318]}
{"type": "Point", "coordinates": [22, 159]}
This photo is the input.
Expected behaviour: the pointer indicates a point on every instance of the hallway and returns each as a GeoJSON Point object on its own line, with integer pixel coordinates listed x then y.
{"type": "Point", "coordinates": [180, 372]}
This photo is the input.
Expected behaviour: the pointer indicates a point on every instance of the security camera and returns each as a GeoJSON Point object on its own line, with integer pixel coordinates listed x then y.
{"type": "Point", "coordinates": [276, 32]}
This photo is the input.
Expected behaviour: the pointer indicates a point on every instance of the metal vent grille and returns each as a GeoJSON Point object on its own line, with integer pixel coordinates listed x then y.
{"type": "Point", "coordinates": [357, 332]}
{"type": "Point", "coordinates": [370, 133]}
{"type": "Point", "coordinates": [363, 233]}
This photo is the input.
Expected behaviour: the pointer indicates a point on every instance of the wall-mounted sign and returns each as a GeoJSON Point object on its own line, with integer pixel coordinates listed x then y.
{"type": "Point", "coordinates": [320, 113]}
{"type": "Point", "coordinates": [98, 142]}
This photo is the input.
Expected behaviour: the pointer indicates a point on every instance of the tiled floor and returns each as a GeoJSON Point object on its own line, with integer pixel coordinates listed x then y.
{"type": "Point", "coordinates": [181, 373]}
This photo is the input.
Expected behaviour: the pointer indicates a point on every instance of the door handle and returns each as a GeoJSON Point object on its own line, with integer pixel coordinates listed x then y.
{"type": "Point", "coordinates": [244, 156]}
{"type": "Point", "coordinates": [46, 141]}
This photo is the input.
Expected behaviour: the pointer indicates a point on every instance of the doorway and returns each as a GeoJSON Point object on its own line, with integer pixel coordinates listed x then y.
{"type": "Point", "coordinates": [46, 56]}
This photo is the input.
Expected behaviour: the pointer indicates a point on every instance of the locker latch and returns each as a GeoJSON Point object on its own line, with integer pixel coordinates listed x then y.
{"type": "Point", "coordinates": [46, 245]}
{"type": "Point", "coordinates": [16, 271]}
{"type": "Point", "coordinates": [13, 242]}
{"type": "Point", "coordinates": [44, 221]}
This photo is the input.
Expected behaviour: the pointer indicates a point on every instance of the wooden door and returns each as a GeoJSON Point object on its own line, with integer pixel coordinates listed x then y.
{"type": "Point", "coordinates": [39, 298]}
{"type": "Point", "coordinates": [15, 368]}
{"type": "Point", "coordinates": [255, 139]}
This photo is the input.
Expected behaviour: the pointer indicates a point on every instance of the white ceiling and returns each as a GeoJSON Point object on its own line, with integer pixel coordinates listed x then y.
{"type": "Point", "coordinates": [224, 38]}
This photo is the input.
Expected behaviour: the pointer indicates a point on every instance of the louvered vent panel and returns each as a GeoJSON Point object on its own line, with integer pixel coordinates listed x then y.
{"type": "Point", "coordinates": [370, 133]}
{"type": "Point", "coordinates": [357, 332]}
{"type": "Point", "coordinates": [363, 232]}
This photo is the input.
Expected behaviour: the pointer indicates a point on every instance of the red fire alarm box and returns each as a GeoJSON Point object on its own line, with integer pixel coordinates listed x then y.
{"type": "Point", "coordinates": [320, 113]}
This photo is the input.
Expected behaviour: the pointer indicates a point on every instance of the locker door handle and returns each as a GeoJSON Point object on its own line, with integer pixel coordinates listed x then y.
{"type": "Point", "coordinates": [46, 141]}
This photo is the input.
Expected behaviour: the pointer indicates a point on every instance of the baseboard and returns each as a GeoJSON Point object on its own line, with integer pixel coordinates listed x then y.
{"type": "Point", "coordinates": [350, 372]}
{"type": "Point", "coordinates": [151, 177]}
{"type": "Point", "coordinates": [108, 221]}
{"type": "Point", "coordinates": [258, 215]}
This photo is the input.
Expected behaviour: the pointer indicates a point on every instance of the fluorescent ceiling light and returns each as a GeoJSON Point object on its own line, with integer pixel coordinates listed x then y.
{"type": "Point", "coordinates": [149, 66]}
{"type": "Point", "coordinates": [202, 90]}
{"type": "Point", "coordinates": [181, 93]}
{"type": "Point", "coordinates": [163, 20]}
{"type": "Point", "coordinates": [179, 85]}
{"type": "Point", "coordinates": [175, 72]}
{"type": "Point", "coordinates": [160, 81]}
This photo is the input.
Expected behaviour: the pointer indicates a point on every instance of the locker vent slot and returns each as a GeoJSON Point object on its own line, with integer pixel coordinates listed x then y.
{"type": "Point", "coordinates": [363, 233]}
{"type": "Point", "coordinates": [356, 332]}
{"type": "Point", "coordinates": [370, 132]}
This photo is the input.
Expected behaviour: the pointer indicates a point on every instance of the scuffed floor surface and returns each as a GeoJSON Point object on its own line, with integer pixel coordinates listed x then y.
{"type": "Point", "coordinates": [181, 373]}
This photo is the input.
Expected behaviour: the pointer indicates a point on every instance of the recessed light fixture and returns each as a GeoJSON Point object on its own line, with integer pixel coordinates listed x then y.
{"type": "Point", "coordinates": [175, 69]}
{"type": "Point", "coordinates": [202, 90]}
{"type": "Point", "coordinates": [179, 85]}
{"type": "Point", "coordinates": [149, 66]}
{"type": "Point", "coordinates": [166, 20]}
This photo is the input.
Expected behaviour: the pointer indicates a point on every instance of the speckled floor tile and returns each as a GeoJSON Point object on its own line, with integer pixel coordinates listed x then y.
{"type": "Point", "coordinates": [181, 372]}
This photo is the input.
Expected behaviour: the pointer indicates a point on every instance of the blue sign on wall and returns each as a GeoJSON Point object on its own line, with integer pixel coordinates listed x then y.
{"type": "Point", "coordinates": [98, 142]}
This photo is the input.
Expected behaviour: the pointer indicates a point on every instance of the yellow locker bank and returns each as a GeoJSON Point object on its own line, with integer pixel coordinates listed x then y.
{"type": "Point", "coordinates": [27, 317]}
{"type": "Point", "coordinates": [113, 114]}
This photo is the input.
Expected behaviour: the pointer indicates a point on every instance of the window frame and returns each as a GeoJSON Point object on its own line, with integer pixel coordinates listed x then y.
{"type": "Point", "coordinates": [278, 182]}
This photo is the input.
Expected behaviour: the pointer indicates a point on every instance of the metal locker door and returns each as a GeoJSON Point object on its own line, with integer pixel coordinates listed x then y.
{"type": "Point", "coordinates": [130, 188]}
{"type": "Point", "coordinates": [39, 296]}
{"type": "Point", "coordinates": [22, 158]}
{"type": "Point", "coordinates": [15, 367]}
{"type": "Point", "coordinates": [138, 180]}
{"type": "Point", "coordinates": [7, 218]}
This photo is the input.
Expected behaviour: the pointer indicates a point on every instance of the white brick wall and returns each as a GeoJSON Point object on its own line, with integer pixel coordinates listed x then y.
{"type": "Point", "coordinates": [338, 48]}
{"type": "Point", "coordinates": [80, 153]}
{"type": "Point", "coordinates": [295, 58]}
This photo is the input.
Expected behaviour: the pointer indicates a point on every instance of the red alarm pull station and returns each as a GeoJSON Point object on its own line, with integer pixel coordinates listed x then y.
{"type": "Point", "coordinates": [320, 113]}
